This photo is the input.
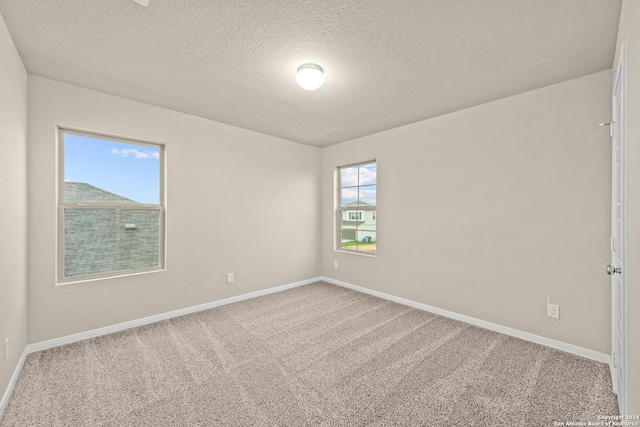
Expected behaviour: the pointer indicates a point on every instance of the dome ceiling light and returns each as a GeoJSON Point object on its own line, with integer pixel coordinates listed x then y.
{"type": "Point", "coordinates": [310, 76]}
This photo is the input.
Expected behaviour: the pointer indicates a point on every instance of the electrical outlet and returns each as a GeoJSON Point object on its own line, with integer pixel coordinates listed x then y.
{"type": "Point", "coordinates": [553, 310]}
{"type": "Point", "coordinates": [6, 349]}
{"type": "Point", "coordinates": [335, 264]}
{"type": "Point", "coordinates": [229, 277]}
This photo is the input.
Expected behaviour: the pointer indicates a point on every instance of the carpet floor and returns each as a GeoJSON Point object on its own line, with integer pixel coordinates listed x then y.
{"type": "Point", "coordinates": [313, 355]}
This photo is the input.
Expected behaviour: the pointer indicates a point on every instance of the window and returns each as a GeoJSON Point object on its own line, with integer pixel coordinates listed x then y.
{"type": "Point", "coordinates": [356, 215]}
{"type": "Point", "coordinates": [110, 206]}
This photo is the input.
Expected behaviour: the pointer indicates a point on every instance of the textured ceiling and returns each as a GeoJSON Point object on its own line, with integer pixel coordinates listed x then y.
{"type": "Point", "coordinates": [387, 63]}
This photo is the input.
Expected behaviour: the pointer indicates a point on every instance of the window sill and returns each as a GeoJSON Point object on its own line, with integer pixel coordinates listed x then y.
{"type": "Point", "coordinates": [365, 254]}
{"type": "Point", "coordinates": [85, 279]}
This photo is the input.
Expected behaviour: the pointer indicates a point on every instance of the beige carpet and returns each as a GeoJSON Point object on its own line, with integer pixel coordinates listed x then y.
{"type": "Point", "coordinates": [314, 355]}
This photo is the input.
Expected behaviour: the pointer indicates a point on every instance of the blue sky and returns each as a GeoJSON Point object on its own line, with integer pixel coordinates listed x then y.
{"type": "Point", "coordinates": [129, 170]}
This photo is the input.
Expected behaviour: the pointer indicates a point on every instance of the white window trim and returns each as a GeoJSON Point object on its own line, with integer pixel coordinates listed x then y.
{"type": "Point", "coordinates": [61, 205]}
{"type": "Point", "coordinates": [341, 209]}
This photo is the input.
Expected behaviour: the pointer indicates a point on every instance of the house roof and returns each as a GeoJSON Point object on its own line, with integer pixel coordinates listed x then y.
{"type": "Point", "coordinates": [358, 203]}
{"type": "Point", "coordinates": [83, 192]}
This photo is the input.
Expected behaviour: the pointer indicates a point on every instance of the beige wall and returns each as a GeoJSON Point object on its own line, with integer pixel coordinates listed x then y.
{"type": "Point", "coordinates": [238, 201]}
{"type": "Point", "coordinates": [629, 32]}
{"type": "Point", "coordinates": [487, 211]}
{"type": "Point", "coordinates": [484, 212]}
{"type": "Point", "coordinates": [13, 205]}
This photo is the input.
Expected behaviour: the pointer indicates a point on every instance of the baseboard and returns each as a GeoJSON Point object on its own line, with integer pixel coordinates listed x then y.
{"type": "Point", "coordinates": [43, 345]}
{"type": "Point", "coordinates": [580, 351]}
{"type": "Point", "coordinates": [12, 383]}
{"type": "Point", "coordinates": [559, 345]}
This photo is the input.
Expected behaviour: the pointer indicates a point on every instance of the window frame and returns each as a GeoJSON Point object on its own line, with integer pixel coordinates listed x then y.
{"type": "Point", "coordinates": [341, 209]}
{"type": "Point", "coordinates": [61, 279]}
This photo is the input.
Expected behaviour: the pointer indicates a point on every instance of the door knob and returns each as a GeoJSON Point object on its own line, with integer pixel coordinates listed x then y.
{"type": "Point", "coordinates": [611, 270]}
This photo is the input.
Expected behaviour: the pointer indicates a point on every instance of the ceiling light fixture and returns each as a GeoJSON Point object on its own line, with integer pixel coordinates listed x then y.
{"type": "Point", "coordinates": [310, 76]}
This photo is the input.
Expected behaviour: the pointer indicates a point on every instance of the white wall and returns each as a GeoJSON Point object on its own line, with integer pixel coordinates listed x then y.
{"type": "Point", "coordinates": [487, 211]}
{"type": "Point", "coordinates": [238, 201]}
{"type": "Point", "coordinates": [629, 32]}
{"type": "Point", "coordinates": [13, 205]}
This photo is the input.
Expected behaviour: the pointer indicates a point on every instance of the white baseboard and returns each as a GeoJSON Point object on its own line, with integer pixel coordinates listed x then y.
{"type": "Point", "coordinates": [12, 383]}
{"type": "Point", "coordinates": [43, 345]}
{"type": "Point", "coordinates": [559, 345]}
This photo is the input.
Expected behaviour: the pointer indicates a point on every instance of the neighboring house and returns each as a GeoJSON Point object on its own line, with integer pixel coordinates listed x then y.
{"type": "Point", "coordinates": [106, 240]}
{"type": "Point", "coordinates": [83, 192]}
{"type": "Point", "coordinates": [358, 224]}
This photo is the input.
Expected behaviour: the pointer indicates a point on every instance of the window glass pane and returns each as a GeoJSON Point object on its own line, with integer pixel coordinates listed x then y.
{"type": "Point", "coordinates": [349, 196]}
{"type": "Point", "coordinates": [367, 174]}
{"type": "Point", "coordinates": [348, 229]}
{"type": "Point", "coordinates": [109, 240]}
{"type": "Point", "coordinates": [353, 216]}
{"type": "Point", "coordinates": [368, 221]}
{"type": "Point", "coordinates": [367, 195]}
{"type": "Point", "coordinates": [367, 241]}
{"type": "Point", "coordinates": [357, 228]}
{"type": "Point", "coordinates": [349, 243]}
{"type": "Point", "coordinates": [349, 176]}
{"type": "Point", "coordinates": [102, 171]}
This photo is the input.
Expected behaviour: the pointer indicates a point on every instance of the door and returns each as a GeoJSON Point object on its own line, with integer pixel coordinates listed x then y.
{"type": "Point", "coordinates": [618, 267]}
